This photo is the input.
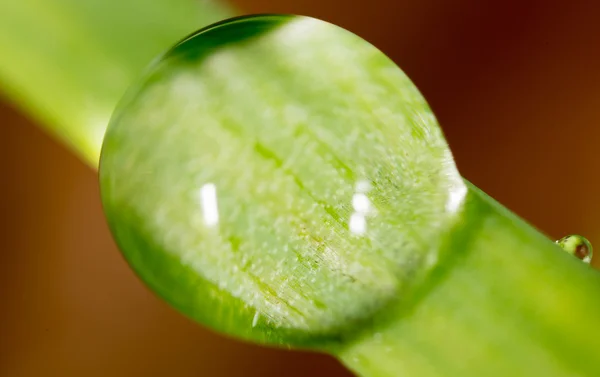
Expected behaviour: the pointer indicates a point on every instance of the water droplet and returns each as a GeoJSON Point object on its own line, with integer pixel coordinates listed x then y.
{"type": "Point", "coordinates": [577, 246]}
{"type": "Point", "coordinates": [266, 149]}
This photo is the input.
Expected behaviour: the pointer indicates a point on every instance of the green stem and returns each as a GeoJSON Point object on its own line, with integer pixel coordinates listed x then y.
{"type": "Point", "coordinates": [67, 63]}
{"type": "Point", "coordinates": [507, 302]}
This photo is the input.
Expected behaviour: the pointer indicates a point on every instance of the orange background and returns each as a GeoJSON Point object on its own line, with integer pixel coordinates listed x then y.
{"type": "Point", "coordinates": [515, 85]}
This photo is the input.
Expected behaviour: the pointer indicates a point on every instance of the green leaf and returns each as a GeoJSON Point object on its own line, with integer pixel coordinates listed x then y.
{"type": "Point", "coordinates": [333, 184]}
{"type": "Point", "coordinates": [68, 62]}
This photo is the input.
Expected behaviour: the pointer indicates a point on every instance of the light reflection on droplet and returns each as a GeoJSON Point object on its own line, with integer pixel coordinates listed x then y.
{"type": "Point", "coordinates": [208, 200]}
{"type": "Point", "coordinates": [358, 223]}
{"type": "Point", "coordinates": [363, 186]}
{"type": "Point", "coordinates": [456, 197]}
{"type": "Point", "coordinates": [361, 203]}
{"type": "Point", "coordinates": [362, 207]}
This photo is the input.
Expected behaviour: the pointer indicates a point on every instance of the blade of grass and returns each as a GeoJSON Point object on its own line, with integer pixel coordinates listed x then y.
{"type": "Point", "coordinates": [68, 62]}
{"type": "Point", "coordinates": [507, 302]}
{"type": "Point", "coordinates": [503, 300]}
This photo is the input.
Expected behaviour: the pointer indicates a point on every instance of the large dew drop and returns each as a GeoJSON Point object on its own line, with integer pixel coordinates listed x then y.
{"type": "Point", "coordinates": [279, 179]}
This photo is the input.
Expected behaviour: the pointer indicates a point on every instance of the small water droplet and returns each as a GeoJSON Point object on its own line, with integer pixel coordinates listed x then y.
{"type": "Point", "coordinates": [577, 246]}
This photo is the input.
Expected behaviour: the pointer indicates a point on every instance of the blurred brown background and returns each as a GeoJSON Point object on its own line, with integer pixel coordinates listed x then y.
{"type": "Point", "coordinates": [515, 85]}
